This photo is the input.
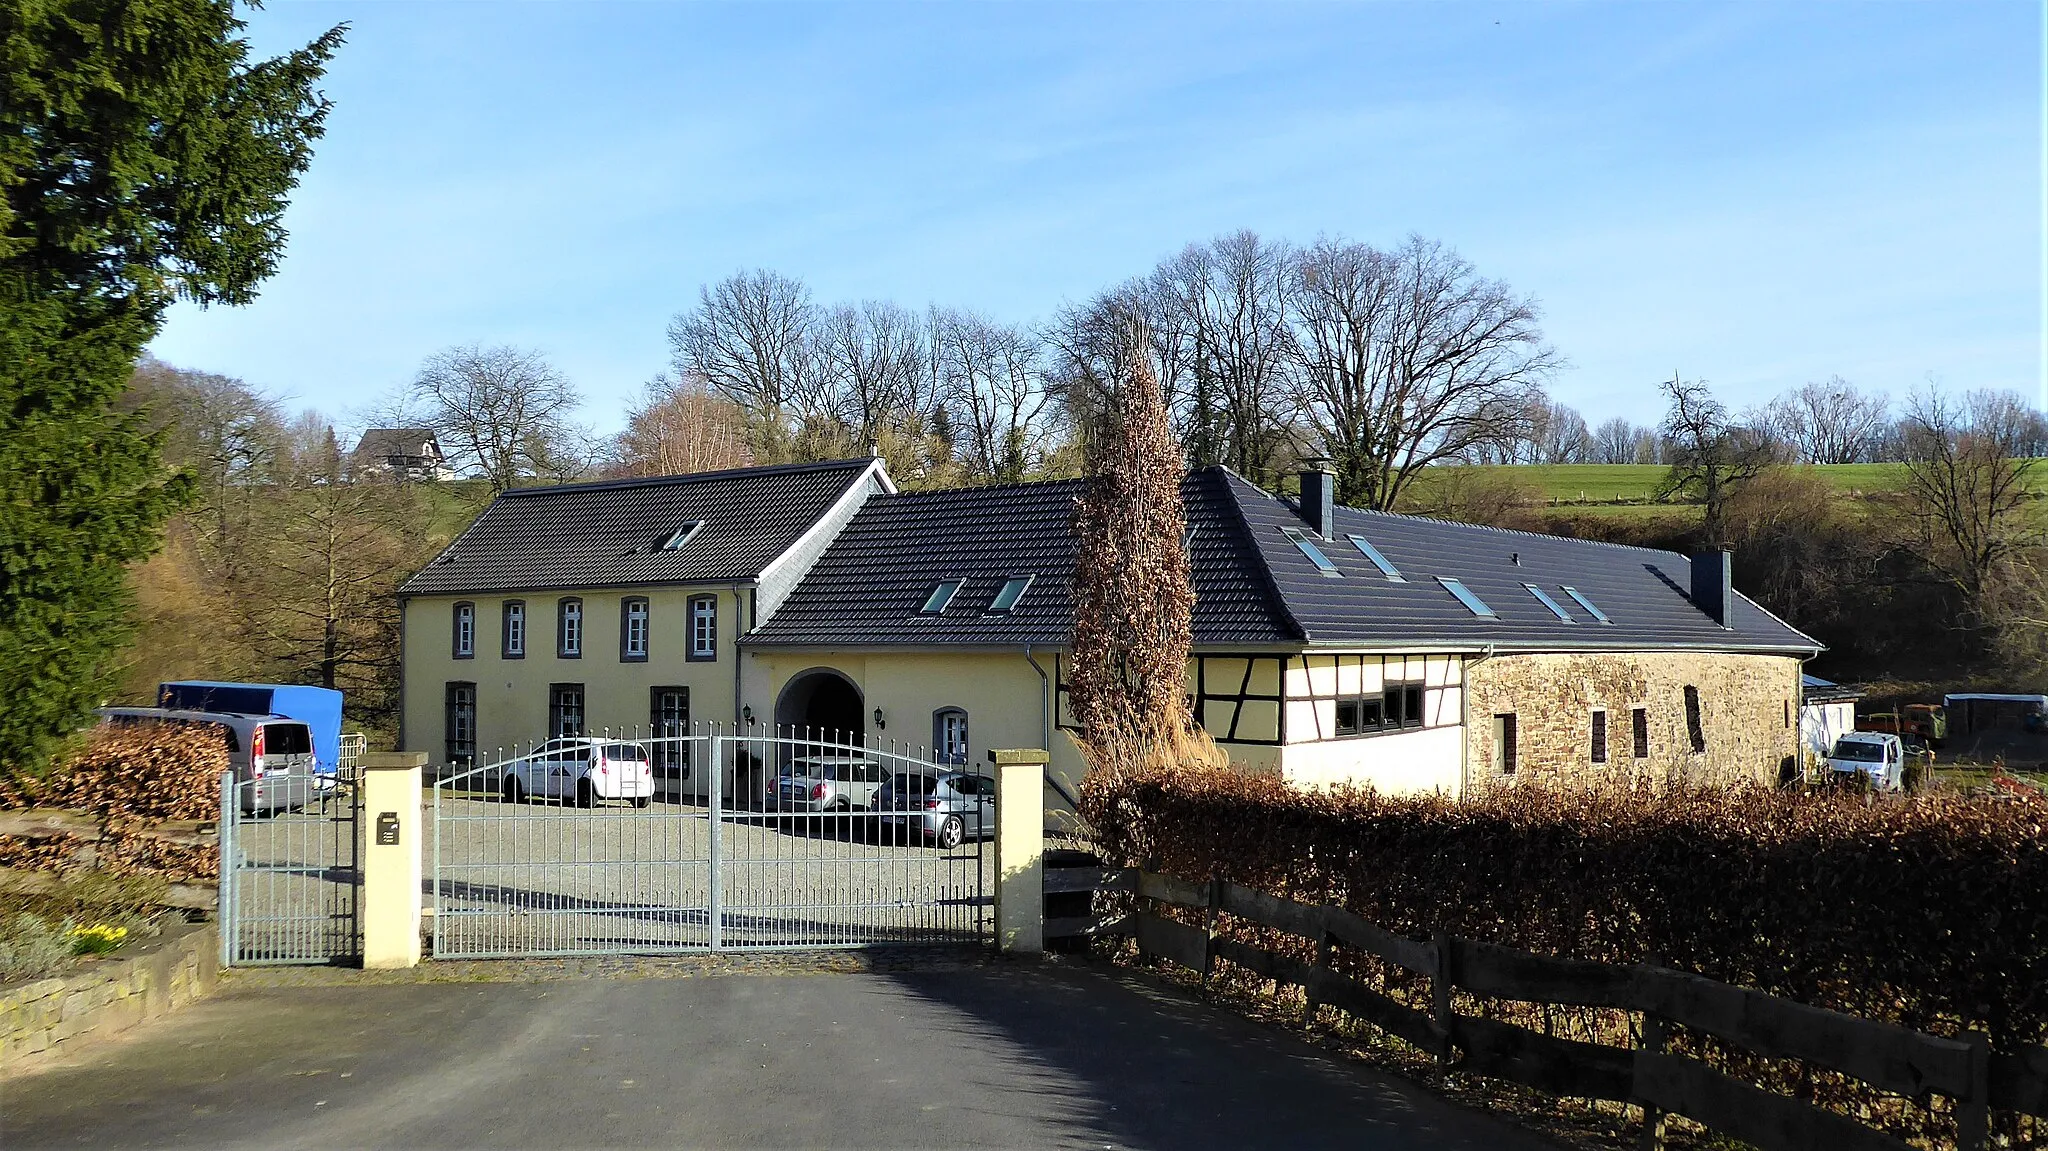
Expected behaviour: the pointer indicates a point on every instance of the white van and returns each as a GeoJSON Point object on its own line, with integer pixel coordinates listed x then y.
{"type": "Point", "coordinates": [1877, 754]}
{"type": "Point", "coordinates": [272, 756]}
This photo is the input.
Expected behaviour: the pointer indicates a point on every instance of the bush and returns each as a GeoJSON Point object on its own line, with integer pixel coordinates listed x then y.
{"type": "Point", "coordinates": [1929, 911]}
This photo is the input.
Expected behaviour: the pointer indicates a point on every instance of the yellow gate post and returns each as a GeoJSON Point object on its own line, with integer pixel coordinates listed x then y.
{"type": "Point", "coordinates": [392, 820]}
{"type": "Point", "coordinates": [1020, 849]}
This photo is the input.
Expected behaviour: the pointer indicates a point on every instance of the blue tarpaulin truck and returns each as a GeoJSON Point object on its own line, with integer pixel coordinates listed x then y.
{"type": "Point", "coordinates": [318, 708]}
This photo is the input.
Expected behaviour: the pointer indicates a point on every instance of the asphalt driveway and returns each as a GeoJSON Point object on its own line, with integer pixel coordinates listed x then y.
{"type": "Point", "coordinates": [994, 1055]}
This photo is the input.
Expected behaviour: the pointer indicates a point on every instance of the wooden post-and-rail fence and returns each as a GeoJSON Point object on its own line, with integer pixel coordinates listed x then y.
{"type": "Point", "coordinates": [1886, 1056]}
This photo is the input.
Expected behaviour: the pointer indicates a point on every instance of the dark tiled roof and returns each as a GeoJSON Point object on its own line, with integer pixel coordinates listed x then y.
{"type": "Point", "coordinates": [868, 587]}
{"type": "Point", "coordinates": [1641, 590]}
{"type": "Point", "coordinates": [1252, 585]}
{"type": "Point", "coordinates": [608, 534]}
{"type": "Point", "coordinates": [396, 442]}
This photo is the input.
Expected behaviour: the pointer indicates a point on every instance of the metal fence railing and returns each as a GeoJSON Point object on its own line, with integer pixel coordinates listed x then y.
{"type": "Point", "coordinates": [290, 874]}
{"type": "Point", "coordinates": [725, 842]}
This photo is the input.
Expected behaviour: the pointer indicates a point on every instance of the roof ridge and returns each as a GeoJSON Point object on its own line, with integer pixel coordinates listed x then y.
{"type": "Point", "coordinates": [687, 477]}
{"type": "Point", "coordinates": [977, 489]}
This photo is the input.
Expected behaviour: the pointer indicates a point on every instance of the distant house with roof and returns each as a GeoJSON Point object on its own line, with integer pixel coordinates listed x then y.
{"type": "Point", "coordinates": [402, 453]}
{"type": "Point", "coordinates": [1331, 645]}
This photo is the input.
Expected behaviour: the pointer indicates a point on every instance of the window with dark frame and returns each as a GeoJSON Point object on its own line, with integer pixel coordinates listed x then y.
{"type": "Point", "coordinates": [459, 724]}
{"type": "Point", "coordinates": [512, 635]}
{"type": "Point", "coordinates": [668, 714]}
{"type": "Point", "coordinates": [633, 627]}
{"type": "Point", "coordinates": [949, 735]}
{"type": "Point", "coordinates": [565, 710]}
{"type": "Point", "coordinates": [465, 631]}
{"type": "Point", "coordinates": [1599, 748]}
{"type": "Point", "coordinates": [569, 628]}
{"type": "Point", "coordinates": [1639, 723]}
{"type": "Point", "coordinates": [703, 628]}
{"type": "Point", "coordinates": [1693, 727]}
{"type": "Point", "coordinates": [1504, 743]}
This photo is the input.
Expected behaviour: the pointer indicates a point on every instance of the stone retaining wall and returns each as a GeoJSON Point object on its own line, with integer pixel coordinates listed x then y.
{"type": "Point", "coordinates": [53, 1016]}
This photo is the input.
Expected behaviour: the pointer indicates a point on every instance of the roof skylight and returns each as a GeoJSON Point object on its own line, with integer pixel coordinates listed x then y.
{"type": "Point", "coordinates": [1013, 590]}
{"type": "Point", "coordinates": [1543, 598]}
{"type": "Point", "coordinates": [1465, 596]}
{"type": "Point", "coordinates": [1583, 602]}
{"type": "Point", "coordinates": [1315, 554]}
{"type": "Point", "coordinates": [942, 595]}
{"type": "Point", "coordinates": [680, 536]}
{"type": "Point", "coordinates": [1379, 561]}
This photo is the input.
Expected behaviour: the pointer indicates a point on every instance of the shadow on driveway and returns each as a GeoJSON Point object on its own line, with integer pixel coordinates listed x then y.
{"type": "Point", "coordinates": [548, 1055]}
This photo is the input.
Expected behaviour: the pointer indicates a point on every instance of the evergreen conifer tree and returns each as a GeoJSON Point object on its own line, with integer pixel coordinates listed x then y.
{"type": "Point", "coordinates": [143, 156]}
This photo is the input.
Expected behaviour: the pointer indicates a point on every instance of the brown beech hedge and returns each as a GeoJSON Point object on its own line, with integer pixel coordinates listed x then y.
{"type": "Point", "coordinates": [1931, 912]}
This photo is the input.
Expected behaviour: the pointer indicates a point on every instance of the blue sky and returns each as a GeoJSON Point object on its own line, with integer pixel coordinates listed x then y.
{"type": "Point", "coordinates": [1755, 194]}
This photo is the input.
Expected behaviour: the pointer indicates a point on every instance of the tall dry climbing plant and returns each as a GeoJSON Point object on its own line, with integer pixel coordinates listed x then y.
{"type": "Point", "coordinates": [1133, 596]}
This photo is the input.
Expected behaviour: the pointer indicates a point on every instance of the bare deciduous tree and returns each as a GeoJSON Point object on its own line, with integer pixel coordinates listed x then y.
{"type": "Point", "coordinates": [750, 338]}
{"type": "Point", "coordinates": [1830, 422]}
{"type": "Point", "coordinates": [680, 427]}
{"type": "Point", "coordinates": [1409, 358]}
{"type": "Point", "coordinates": [1228, 302]}
{"type": "Point", "coordinates": [1966, 501]}
{"type": "Point", "coordinates": [1710, 456]}
{"type": "Point", "coordinates": [501, 412]}
{"type": "Point", "coordinates": [874, 364]}
{"type": "Point", "coordinates": [994, 391]}
{"type": "Point", "coordinates": [1617, 441]}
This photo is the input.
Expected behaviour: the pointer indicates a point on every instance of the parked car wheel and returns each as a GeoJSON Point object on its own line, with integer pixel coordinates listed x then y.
{"type": "Point", "coordinates": [642, 801]}
{"type": "Point", "coordinates": [514, 793]}
{"type": "Point", "coordinates": [951, 832]}
{"type": "Point", "coordinates": [585, 796]}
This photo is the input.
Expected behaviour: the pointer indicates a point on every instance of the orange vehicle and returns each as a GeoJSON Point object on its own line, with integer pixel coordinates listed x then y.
{"type": "Point", "coordinates": [1924, 723]}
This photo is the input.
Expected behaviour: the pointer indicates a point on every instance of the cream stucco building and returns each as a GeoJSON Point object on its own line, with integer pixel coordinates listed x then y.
{"type": "Point", "coordinates": [1332, 646]}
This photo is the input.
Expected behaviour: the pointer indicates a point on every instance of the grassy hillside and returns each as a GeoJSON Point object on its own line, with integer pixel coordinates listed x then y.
{"type": "Point", "coordinates": [1635, 485]}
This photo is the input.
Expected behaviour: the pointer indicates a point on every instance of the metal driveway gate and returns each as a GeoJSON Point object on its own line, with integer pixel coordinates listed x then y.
{"type": "Point", "coordinates": [290, 870]}
{"type": "Point", "coordinates": [522, 865]}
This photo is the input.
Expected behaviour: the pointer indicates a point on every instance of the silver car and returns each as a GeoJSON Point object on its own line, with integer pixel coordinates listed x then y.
{"type": "Point", "coordinates": [941, 805]}
{"type": "Point", "coordinates": [826, 783]}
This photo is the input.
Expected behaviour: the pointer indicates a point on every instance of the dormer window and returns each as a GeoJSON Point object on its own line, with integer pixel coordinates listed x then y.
{"type": "Point", "coordinates": [1013, 590]}
{"type": "Point", "coordinates": [680, 536]}
{"type": "Point", "coordinates": [941, 596]}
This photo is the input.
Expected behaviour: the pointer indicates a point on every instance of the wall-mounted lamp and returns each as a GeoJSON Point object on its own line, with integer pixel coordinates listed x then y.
{"type": "Point", "coordinates": [747, 714]}
{"type": "Point", "coordinates": [881, 721]}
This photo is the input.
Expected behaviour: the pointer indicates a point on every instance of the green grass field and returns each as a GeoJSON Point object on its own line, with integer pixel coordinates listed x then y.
{"type": "Point", "coordinates": [1608, 483]}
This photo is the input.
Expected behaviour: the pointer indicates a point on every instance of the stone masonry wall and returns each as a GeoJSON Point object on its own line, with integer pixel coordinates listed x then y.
{"type": "Point", "coordinates": [49, 1017]}
{"type": "Point", "coordinates": [1749, 713]}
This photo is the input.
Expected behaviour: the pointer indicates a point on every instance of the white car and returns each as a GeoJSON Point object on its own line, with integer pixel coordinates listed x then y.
{"type": "Point", "coordinates": [1877, 754]}
{"type": "Point", "coordinates": [582, 769]}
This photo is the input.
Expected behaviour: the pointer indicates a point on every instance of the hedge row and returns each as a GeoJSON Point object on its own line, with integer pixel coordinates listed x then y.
{"type": "Point", "coordinates": [1930, 912]}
